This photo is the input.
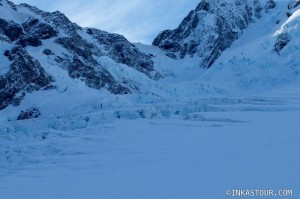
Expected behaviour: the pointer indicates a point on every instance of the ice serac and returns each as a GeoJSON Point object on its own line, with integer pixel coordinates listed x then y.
{"type": "Point", "coordinates": [211, 28]}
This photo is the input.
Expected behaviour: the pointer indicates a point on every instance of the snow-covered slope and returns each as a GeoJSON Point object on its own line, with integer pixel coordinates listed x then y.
{"type": "Point", "coordinates": [263, 55]}
{"type": "Point", "coordinates": [211, 28]}
{"type": "Point", "coordinates": [154, 159]}
{"type": "Point", "coordinates": [252, 47]}
{"type": "Point", "coordinates": [51, 39]}
{"type": "Point", "coordinates": [86, 114]}
{"type": "Point", "coordinates": [261, 58]}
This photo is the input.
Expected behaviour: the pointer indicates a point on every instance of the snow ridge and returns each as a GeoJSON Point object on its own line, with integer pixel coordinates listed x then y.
{"type": "Point", "coordinates": [92, 70]}
{"type": "Point", "coordinates": [69, 46]}
{"type": "Point", "coordinates": [211, 28]}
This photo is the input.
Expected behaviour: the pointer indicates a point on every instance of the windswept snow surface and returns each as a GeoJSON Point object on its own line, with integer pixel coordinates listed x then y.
{"type": "Point", "coordinates": [193, 134]}
{"type": "Point", "coordinates": [238, 143]}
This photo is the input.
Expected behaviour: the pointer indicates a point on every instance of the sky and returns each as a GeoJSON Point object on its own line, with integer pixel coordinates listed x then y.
{"type": "Point", "coordinates": [138, 20]}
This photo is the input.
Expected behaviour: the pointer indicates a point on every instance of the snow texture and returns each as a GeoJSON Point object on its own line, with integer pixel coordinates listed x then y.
{"type": "Point", "coordinates": [86, 114]}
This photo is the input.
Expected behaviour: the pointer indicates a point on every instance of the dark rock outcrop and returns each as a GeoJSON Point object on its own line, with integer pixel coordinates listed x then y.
{"type": "Point", "coordinates": [29, 41]}
{"type": "Point", "coordinates": [36, 29]}
{"type": "Point", "coordinates": [94, 77]}
{"type": "Point", "coordinates": [29, 114]}
{"type": "Point", "coordinates": [287, 32]}
{"type": "Point", "coordinates": [210, 29]}
{"type": "Point", "coordinates": [121, 50]}
{"type": "Point", "coordinates": [29, 33]}
{"type": "Point", "coordinates": [34, 32]}
{"type": "Point", "coordinates": [282, 40]}
{"type": "Point", "coordinates": [56, 20]}
{"type": "Point", "coordinates": [294, 4]}
{"type": "Point", "coordinates": [77, 46]}
{"type": "Point", "coordinates": [114, 46]}
{"type": "Point", "coordinates": [25, 75]}
{"type": "Point", "coordinates": [80, 61]}
{"type": "Point", "coordinates": [270, 5]}
{"type": "Point", "coordinates": [10, 29]}
{"type": "Point", "coordinates": [48, 52]}
{"type": "Point", "coordinates": [81, 49]}
{"type": "Point", "coordinates": [82, 65]}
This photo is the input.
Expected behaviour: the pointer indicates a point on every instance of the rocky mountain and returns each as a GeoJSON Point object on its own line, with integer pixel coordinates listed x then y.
{"type": "Point", "coordinates": [25, 75]}
{"type": "Point", "coordinates": [211, 28]}
{"type": "Point", "coordinates": [290, 29]}
{"type": "Point", "coordinates": [24, 27]}
{"type": "Point", "coordinates": [85, 114]}
{"type": "Point", "coordinates": [50, 66]}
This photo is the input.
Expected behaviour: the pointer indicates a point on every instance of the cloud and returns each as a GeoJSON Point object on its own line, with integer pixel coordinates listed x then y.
{"type": "Point", "coordinates": [137, 20]}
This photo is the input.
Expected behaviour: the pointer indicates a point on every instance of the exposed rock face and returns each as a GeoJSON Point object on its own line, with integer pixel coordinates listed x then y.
{"type": "Point", "coordinates": [83, 45]}
{"type": "Point", "coordinates": [82, 65]}
{"type": "Point", "coordinates": [10, 29]}
{"type": "Point", "coordinates": [270, 5]}
{"type": "Point", "coordinates": [120, 49]}
{"type": "Point", "coordinates": [25, 75]}
{"type": "Point", "coordinates": [290, 29]}
{"type": "Point", "coordinates": [294, 4]}
{"type": "Point", "coordinates": [282, 40]}
{"type": "Point", "coordinates": [48, 52]}
{"type": "Point", "coordinates": [210, 29]}
{"type": "Point", "coordinates": [29, 114]}
{"type": "Point", "coordinates": [33, 33]}
{"type": "Point", "coordinates": [80, 62]}
{"type": "Point", "coordinates": [115, 46]}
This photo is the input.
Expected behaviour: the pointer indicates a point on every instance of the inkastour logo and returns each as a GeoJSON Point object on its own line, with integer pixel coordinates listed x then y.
{"type": "Point", "coordinates": [259, 193]}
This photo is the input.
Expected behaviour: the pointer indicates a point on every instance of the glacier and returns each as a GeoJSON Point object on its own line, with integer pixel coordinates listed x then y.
{"type": "Point", "coordinates": [91, 115]}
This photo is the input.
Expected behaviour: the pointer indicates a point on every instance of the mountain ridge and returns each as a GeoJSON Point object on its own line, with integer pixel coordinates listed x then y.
{"type": "Point", "coordinates": [31, 27]}
{"type": "Point", "coordinates": [86, 69]}
{"type": "Point", "coordinates": [222, 22]}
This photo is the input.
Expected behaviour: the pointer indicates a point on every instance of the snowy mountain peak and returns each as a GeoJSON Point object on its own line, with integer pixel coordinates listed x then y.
{"type": "Point", "coordinates": [242, 46]}
{"type": "Point", "coordinates": [48, 38]}
{"type": "Point", "coordinates": [211, 28]}
{"type": "Point", "coordinates": [85, 114]}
